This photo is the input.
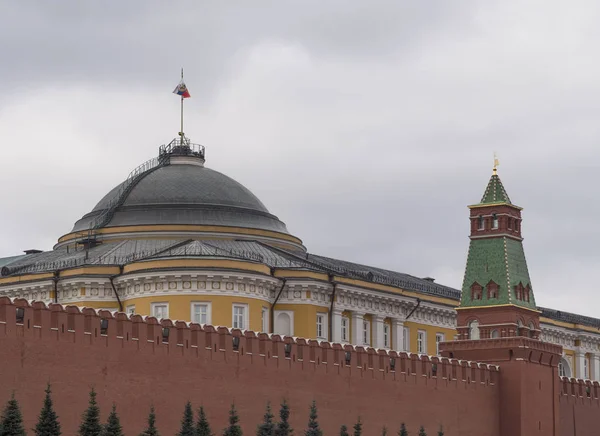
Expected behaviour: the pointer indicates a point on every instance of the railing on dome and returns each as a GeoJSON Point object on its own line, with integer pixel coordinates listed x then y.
{"type": "Point", "coordinates": [177, 147]}
{"type": "Point", "coordinates": [181, 146]}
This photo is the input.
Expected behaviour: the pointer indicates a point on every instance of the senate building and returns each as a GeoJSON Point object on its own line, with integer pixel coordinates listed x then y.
{"type": "Point", "coordinates": [179, 240]}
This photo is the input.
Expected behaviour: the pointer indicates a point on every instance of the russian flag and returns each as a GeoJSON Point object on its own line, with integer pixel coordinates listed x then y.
{"type": "Point", "coordinates": [182, 90]}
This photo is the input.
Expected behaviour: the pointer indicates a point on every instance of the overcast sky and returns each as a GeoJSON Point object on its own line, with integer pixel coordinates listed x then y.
{"type": "Point", "coordinates": [367, 127]}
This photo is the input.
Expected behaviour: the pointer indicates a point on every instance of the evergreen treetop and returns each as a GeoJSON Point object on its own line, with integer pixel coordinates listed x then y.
{"type": "Point", "coordinates": [202, 427]}
{"type": "Point", "coordinates": [47, 424]}
{"type": "Point", "coordinates": [151, 430]}
{"type": "Point", "coordinates": [283, 427]}
{"type": "Point", "coordinates": [384, 431]}
{"type": "Point", "coordinates": [313, 424]}
{"type": "Point", "coordinates": [441, 431]}
{"type": "Point", "coordinates": [234, 429]}
{"type": "Point", "coordinates": [113, 424]}
{"type": "Point", "coordinates": [11, 423]}
{"type": "Point", "coordinates": [267, 427]}
{"type": "Point", "coordinates": [422, 431]}
{"type": "Point", "coordinates": [90, 424]}
{"type": "Point", "coordinates": [358, 428]}
{"type": "Point", "coordinates": [344, 431]}
{"type": "Point", "coordinates": [403, 431]}
{"type": "Point", "coordinates": [187, 422]}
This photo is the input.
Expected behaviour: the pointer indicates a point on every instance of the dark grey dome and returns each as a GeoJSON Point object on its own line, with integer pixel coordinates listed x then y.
{"type": "Point", "coordinates": [182, 194]}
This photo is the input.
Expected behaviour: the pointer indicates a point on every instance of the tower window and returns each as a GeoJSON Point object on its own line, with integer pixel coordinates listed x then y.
{"type": "Point", "coordinates": [495, 334]}
{"type": "Point", "coordinates": [494, 221]}
{"type": "Point", "coordinates": [480, 223]}
{"type": "Point", "coordinates": [474, 330]}
{"type": "Point", "coordinates": [476, 291]}
{"type": "Point", "coordinates": [492, 289]}
{"type": "Point", "coordinates": [509, 223]}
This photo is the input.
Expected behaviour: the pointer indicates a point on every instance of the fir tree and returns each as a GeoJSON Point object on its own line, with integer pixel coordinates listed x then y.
{"type": "Point", "coordinates": [441, 431]}
{"type": "Point", "coordinates": [151, 430]}
{"type": "Point", "coordinates": [344, 431]}
{"type": "Point", "coordinates": [47, 424]}
{"type": "Point", "coordinates": [12, 420]}
{"type": "Point", "coordinates": [358, 428]}
{"type": "Point", "coordinates": [313, 425]}
{"type": "Point", "coordinates": [90, 425]}
{"type": "Point", "coordinates": [267, 427]}
{"type": "Point", "coordinates": [403, 431]}
{"type": "Point", "coordinates": [384, 431]}
{"type": "Point", "coordinates": [234, 429]}
{"type": "Point", "coordinates": [113, 424]}
{"type": "Point", "coordinates": [283, 426]}
{"type": "Point", "coordinates": [187, 423]}
{"type": "Point", "coordinates": [203, 428]}
{"type": "Point", "coordinates": [422, 432]}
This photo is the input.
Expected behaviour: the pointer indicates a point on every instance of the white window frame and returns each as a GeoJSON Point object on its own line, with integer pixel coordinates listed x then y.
{"type": "Point", "coordinates": [130, 310]}
{"type": "Point", "coordinates": [366, 332]}
{"type": "Point", "coordinates": [586, 368]}
{"type": "Point", "coordinates": [439, 337]}
{"type": "Point", "coordinates": [495, 222]}
{"type": "Point", "coordinates": [480, 223]}
{"type": "Point", "coordinates": [245, 316]}
{"type": "Point", "coordinates": [406, 339]}
{"type": "Point", "coordinates": [265, 319]}
{"type": "Point", "coordinates": [155, 306]}
{"type": "Point", "coordinates": [345, 330]}
{"type": "Point", "coordinates": [386, 335]}
{"type": "Point", "coordinates": [421, 342]}
{"type": "Point", "coordinates": [208, 305]}
{"type": "Point", "coordinates": [322, 326]}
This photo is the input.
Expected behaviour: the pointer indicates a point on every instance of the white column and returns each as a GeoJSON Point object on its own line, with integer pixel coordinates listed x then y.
{"type": "Point", "coordinates": [377, 326]}
{"type": "Point", "coordinates": [336, 325]}
{"type": "Point", "coordinates": [579, 362]}
{"type": "Point", "coordinates": [397, 334]}
{"type": "Point", "coordinates": [595, 369]}
{"type": "Point", "coordinates": [357, 328]}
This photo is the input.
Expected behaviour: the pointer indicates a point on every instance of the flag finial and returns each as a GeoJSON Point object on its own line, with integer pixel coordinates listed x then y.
{"type": "Point", "coordinates": [182, 90]}
{"type": "Point", "coordinates": [496, 163]}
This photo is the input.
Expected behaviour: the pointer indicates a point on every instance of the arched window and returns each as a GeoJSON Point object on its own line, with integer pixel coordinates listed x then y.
{"type": "Point", "coordinates": [526, 293]}
{"type": "Point", "coordinates": [519, 328]}
{"type": "Point", "coordinates": [474, 330]}
{"type": "Point", "coordinates": [519, 291]}
{"type": "Point", "coordinates": [476, 291]}
{"type": "Point", "coordinates": [494, 221]}
{"type": "Point", "coordinates": [283, 324]}
{"type": "Point", "coordinates": [564, 369]}
{"type": "Point", "coordinates": [495, 334]}
{"type": "Point", "coordinates": [516, 225]}
{"type": "Point", "coordinates": [531, 330]}
{"type": "Point", "coordinates": [492, 289]}
{"type": "Point", "coordinates": [480, 223]}
{"type": "Point", "coordinates": [509, 223]}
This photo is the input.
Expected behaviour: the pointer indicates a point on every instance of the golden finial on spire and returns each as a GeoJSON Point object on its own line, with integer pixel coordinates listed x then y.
{"type": "Point", "coordinates": [496, 163]}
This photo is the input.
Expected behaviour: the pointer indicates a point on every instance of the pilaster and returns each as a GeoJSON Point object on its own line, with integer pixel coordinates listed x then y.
{"type": "Point", "coordinates": [377, 326]}
{"type": "Point", "coordinates": [357, 328]}
{"type": "Point", "coordinates": [336, 325]}
{"type": "Point", "coordinates": [398, 334]}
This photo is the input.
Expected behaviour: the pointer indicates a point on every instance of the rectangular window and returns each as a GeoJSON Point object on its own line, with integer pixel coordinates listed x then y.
{"type": "Point", "coordinates": [422, 342]}
{"type": "Point", "coordinates": [344, 329]}
{"type": "Point", "coordinates": [160, 310]}
{"type": "Point", "coordinates": [240, 317]}
{"type": "Point", "coordinates": [320, 326]}
{"type": "Point", "coordinates": [131, 309]}
{"type": "Point", "coordinates": [265, 319]}
{"type": "Point", "coordinates": [386, 336]}
{"type": "Point", "coordinates": [439, 337]}
{"type": "Point", "coordinates": [405, 339]}
{"type": "Point", "coordinates": [201, 313]}
{"type": "Point", "coordinates": [366, 332]}
{"type": "Point", "coordinates": [586, 368]}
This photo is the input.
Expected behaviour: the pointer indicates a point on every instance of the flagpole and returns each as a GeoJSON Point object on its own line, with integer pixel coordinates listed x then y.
{"type": "Point", "coordinates": [181, 132]}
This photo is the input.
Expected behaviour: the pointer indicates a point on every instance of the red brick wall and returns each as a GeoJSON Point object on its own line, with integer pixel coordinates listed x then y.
{"type": "Point", "coordinates": [129, 367]}
{"type": "Point", "coordinates": [579, 410]}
